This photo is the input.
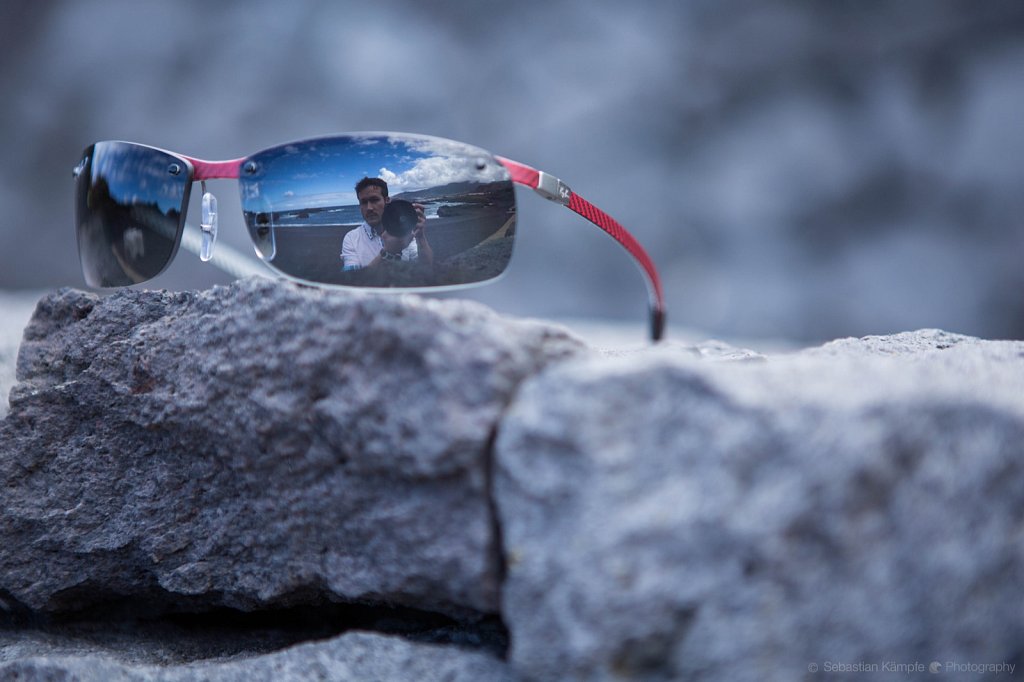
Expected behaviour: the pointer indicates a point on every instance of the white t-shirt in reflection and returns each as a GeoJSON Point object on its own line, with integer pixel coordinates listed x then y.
{"type": "Point", "coordinates": [361, 245]}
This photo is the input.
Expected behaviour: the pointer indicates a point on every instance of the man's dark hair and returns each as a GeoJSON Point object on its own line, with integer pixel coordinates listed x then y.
{"type": "Point", "coordinates": [372, 182]}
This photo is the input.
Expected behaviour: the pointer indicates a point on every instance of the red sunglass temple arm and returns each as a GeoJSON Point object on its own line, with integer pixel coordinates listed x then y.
{"type": "Point", "coordinates": [550, 187]}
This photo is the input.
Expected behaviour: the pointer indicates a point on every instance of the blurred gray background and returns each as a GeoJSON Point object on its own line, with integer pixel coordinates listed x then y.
{"type": "Point", "coordinates": [798, 169]}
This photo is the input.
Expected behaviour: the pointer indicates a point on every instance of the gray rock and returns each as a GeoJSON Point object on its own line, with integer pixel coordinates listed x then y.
{"type": "Point", "coordinates": [258, 445]}
{"type": "Point", "coordinates": [162, 642]}
{"type": "Point", "coordinates": [15, 311]}
{"type": "Point", "coordinates": [666, 517]}
{"type": "Point", "coordinates": [682, 512]}
{"type": "Point", "coordinates": [357, 657]}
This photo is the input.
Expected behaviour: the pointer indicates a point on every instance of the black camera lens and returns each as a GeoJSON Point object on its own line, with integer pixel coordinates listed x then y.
{"type": "Point", "coordinates": [399, 218]}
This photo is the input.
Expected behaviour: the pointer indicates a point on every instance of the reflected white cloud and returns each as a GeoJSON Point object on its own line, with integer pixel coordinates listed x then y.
{"type": "Point", "coordinates": [437, 170]}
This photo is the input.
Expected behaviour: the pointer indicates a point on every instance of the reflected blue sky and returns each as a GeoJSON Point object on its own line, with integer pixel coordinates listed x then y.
{"type": "Point", "coordinates": [323, 172]}
{"type": "Point", "coordinates": [138, 175]}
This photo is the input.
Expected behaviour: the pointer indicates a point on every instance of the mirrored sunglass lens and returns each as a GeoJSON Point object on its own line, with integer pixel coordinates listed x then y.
{"type": "Point", "coordinates": [380, 210]}
{"type": "Point", "coordinates": [129, 203]}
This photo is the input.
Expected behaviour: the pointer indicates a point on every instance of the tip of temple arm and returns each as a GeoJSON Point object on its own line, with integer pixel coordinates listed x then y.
{"type": "Point", "coordinates": [522, 174]}
{"type": "Point", "coordinates": [657, 324]}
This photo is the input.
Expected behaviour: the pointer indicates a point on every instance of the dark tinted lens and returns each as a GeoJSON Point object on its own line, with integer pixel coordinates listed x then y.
{"type": "Point", "coordinates": [308, 221]}
{"type": "Point", "coordinates": [128, 211]}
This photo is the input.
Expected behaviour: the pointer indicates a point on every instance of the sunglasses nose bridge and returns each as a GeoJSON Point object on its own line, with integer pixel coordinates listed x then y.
{"type": "Point", "coordinates": [213, 170]}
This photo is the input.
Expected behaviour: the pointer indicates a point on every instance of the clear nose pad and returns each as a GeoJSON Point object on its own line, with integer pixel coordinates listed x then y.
{"type": "Point", "coordinates": [261, 229]}
{"type": "Point", "coordinates": [208, 225]}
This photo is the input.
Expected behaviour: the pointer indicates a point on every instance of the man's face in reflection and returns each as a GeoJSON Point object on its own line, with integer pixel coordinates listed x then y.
{"type": "Point", "coordinates": [371, 205]}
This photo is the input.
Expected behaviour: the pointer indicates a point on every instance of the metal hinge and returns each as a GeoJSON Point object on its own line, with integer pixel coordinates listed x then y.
{"type": "Point", "coordinates": [550, 187]}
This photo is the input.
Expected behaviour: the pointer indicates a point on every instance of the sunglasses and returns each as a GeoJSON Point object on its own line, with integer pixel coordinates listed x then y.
{"type": "Point", "coordinates": [393, 211]}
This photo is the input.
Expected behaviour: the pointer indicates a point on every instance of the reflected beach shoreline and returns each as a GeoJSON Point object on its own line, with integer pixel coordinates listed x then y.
{"type": "Point", "coordinates": [468, 240]}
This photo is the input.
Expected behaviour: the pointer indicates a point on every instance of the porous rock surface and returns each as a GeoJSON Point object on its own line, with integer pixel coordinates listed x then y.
{"type": "Point", "coordinates": [861, 502]}
{"type": "Point", "coordinates": [15, 311]}
{"type": "Point", "coordinates": [354, 657]}
{"type": "Point", "coordinates": [258, 445]}
{"type": "Point", "coordinates": [679, 512]}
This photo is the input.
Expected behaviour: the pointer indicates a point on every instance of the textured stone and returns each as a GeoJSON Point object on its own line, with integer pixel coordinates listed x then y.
{"type": "Point", "coordinates": [665, 517]}
{"type": "Point", "coordinates": [259, 444]}
{"type": "Point", "coordinates": [15, 310]}
{"type": "Point", "coordinates": [683, 512]}
{"type": "Point", "coordinates": [355, 657]}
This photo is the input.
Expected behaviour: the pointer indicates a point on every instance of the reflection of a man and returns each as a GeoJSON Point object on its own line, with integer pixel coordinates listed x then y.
{"type": "Point", "coordinates": [370, 244]}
